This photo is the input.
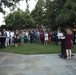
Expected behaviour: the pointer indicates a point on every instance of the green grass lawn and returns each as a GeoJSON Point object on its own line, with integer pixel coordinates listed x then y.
{"type": "Point", "coordinates": [34, 49]}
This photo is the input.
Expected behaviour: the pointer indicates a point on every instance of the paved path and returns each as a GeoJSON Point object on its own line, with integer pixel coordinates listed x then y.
{"type": "Point", "coordinates": [42, 64]}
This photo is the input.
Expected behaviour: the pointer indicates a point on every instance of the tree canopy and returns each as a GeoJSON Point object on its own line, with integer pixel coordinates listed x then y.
{"type": "Point", "coordinates": [49, 13]}
{"type": "Point", "coordinates": [19, 20]}
{"type": "Point", "coordinates": [7, 3]}
{"type": "Point", "coordinates": [67, 14]}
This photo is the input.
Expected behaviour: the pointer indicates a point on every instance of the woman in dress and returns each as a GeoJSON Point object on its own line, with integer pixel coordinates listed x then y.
{"type": "Point", "coordinates": [22, 37]}
{"type": "Point", "coordinates": [45, 38]}
{"type": "Point", "coordinates": [16, 38]}
{"type": "Point", "coordinates": [68, 42]}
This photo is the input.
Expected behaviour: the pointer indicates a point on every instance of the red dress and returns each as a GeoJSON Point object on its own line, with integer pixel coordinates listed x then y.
{"type": "Point", "coordinates": [41, 35]}
{"type": "Point", "coordinates": [49, 37]}
{"type": "Point", "coordinates": [68, 41]}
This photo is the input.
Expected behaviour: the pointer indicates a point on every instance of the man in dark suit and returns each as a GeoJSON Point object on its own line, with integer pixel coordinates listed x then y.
{"type": "Point", "coordinates": [3, 38]}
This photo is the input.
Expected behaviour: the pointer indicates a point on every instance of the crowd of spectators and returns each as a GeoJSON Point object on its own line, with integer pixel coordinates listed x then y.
{"type": "Point", "coordinates": [31, 35]}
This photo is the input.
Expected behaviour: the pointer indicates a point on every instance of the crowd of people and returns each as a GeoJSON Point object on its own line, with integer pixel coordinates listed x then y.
{"type": "Point", "coordinates": [26, 35]}
{"type": "Point", "coordinates": [37, 36]}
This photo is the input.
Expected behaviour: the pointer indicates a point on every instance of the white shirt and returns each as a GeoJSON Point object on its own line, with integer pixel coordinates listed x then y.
{"type": "Point", "coordinates": [27, 34]}
{"type": "Point", "coordinates": [59, 35]}
{"type": "Point", "coordinates": [12, 34]}
{"type": "Point", "coordinates": [8, 34]}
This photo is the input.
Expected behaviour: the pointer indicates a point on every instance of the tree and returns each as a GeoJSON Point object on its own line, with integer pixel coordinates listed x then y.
{"type": "Point", "coordinates": [56, 7]}
{"type": "Point", "coordinates": [37, 13]}
{"type": "Point", "coordinates": [67, 15]}
{"type": "Point", "coordinates": [47, 12]}
{"type": "Point", "coordinates": [18, 19]}
{"type": "Point", "coordinates": [9, 3]}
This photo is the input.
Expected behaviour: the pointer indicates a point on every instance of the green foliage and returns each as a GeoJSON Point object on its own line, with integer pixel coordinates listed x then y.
{"type": "Point", "coordinates": [37, 13]}
{"type": "Point", "coordinates": [18, 19]}
{"type": "Point", "coordinates": [53, 13]}
{"type": "Point", "coordinates": [46, 12]}
{"type": "Point", "coordinates": [56, 7]}
{"type": "Point", "coordinates": [67, 14]}
{"type": "Point", "coordinates": [7, 3]}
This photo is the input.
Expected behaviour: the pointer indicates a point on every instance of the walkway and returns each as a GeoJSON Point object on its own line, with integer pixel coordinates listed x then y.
{"type": "Point", "coordinates": [42, 64]}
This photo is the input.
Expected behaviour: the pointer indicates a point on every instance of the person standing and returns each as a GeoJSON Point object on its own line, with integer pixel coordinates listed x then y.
{"type": "Point", "coordinates": [49, 36]}
{"type": "Point", "coordinates": [16, 38]}
{"type": "Point", "coordinates": [38, 36]}
{"type": "Point", "coordinates": [22, 38]}
{"type": "Point", "coordinates": [41, 36]}
{"type": "Point", "coordinates": [46, 38]}
{"type": "Point", "coordinates": [59, 35]}
{"type": "Point", "coordinates": [68, 42]}
{"type": "Point", "coordinates": [12, 37]}
{"type": "Point", "coordinates": [3, 40]}
{"type": "Point", "coordinates": [7, 38]}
